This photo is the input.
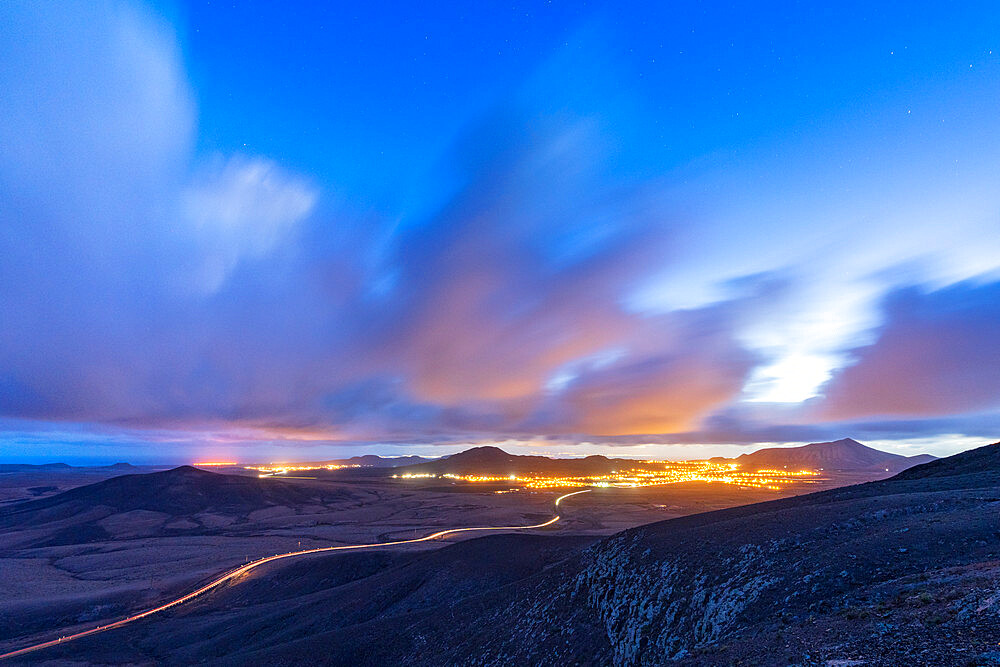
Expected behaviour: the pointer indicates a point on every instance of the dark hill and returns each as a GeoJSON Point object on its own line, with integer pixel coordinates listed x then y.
{"type": "Point", "coordinates": [481, 459]}
{"type": "Point", "coordinates": [121, 465]}
{"type": "Point", "coordinates": [180, 491]}
{"type": "Point", "coordinates": [495, 461]}
{"type": "Point", "coordinates": [982, 460]}
{"type": "Point", "coordinates": [384, 461]}
{"type": "Point", "coordinates": [845, 454]}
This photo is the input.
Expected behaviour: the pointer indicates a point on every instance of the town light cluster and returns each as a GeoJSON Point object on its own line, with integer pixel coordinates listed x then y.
{"type": "Point", "coordinates": [650, 473]}
{"type": "Point", "coordinates": [282, 469]}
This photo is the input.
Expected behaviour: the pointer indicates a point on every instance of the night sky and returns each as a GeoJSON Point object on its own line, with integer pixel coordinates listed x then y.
{"type": "Point", "coordinates": [303, 230]}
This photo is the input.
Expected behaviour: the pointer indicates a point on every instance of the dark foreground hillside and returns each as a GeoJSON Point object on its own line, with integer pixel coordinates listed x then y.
{"type": "Point", "coordinates": [171, 502]}
{"type": "Point", "coordinates": [180, 491]}
{"type": "Point", "coordinates": [900, 572]}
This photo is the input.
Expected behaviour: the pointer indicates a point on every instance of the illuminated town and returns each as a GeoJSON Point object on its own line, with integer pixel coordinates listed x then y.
{"type": "Point", "coordinates": [643, 474]}
{"type": "Point", "coordinates": [664, 472]}
{"type": "Point", "coordinates": [650, 473]}
{"type": "Point", "coordinates": [284, 468]}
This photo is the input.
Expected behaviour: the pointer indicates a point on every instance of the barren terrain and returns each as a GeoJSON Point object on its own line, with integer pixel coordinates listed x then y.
{"type": "Point", "coordinates": [902, 571]}
{"type": "Point", "coordinates": [100, 552]}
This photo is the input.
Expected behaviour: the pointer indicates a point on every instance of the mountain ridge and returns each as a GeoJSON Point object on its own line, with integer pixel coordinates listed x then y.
{"type": "Point", "coordinates": [491, 460]}
{"type": "Point", "coordinates": [843, 454]}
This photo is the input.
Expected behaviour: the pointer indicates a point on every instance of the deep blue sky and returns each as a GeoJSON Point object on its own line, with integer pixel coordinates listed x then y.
{"type": "Point", "coordinates": [296, 230]}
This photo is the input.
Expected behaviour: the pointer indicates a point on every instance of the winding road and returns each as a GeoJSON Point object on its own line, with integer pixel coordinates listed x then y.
{"type": "Point", "coordinates": [243, 569]}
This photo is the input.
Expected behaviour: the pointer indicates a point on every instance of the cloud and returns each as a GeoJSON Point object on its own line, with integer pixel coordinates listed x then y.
{"type": "Point", "coordinates": [676, 370]}
{"type": "Point", "coordinates": [523, 270]}
{"type": "Point", "coordinates": [937, 353]}
{"type": "Point", "coordinates": [106, 226]}
{"type": "Point", "coordinates": [149, 289]}
{"type": "Point", "coordinates": [242, 209]}
{"type": "Point", "coordinates": [365, 329]}
{"type": "Point", "coordinates": [97, 124]}
{"type": "Point", "coordinates": [96, 108]}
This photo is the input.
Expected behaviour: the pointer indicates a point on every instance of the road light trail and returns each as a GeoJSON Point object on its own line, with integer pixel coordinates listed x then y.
{"type": "Point", "coordinates": [243, 569]}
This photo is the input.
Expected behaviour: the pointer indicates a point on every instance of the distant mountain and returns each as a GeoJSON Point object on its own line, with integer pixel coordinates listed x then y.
{"type": "Point", "coordinates": [840, 455]}
{"type": "Point", "coordinates": [844, 455]}
{"type": "Point", "coordinates": [495, 461]}
{"type": "Point", "coordinates": [28, 467]}
{"type": "Point", "coordinates": [367, 461]}
{"type": "Point", "coordinates": [121, 465]}
{"type": "Point", "coordinates": [384, 461]}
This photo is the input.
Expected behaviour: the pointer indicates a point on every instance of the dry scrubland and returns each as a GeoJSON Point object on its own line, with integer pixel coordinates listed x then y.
{"type": "Point", "coordinates": [19, 483]}
{"type": "Point", "coordinates": [98, 559]}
